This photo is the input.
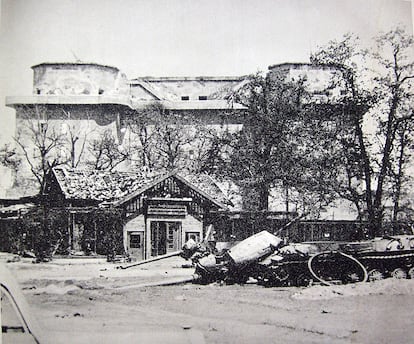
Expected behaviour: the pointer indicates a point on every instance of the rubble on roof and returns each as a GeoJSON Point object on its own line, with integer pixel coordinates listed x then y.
{"type": "Point", "coordinates": [109, 186]}
{"type": "Point", "coordinates": [101, 185]}
{"type": "Point", "coordinates": [207, 184]}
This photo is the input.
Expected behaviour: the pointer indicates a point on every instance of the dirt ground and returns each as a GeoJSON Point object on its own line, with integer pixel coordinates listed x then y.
{"type": "Point", "coordinates": [90, 294]}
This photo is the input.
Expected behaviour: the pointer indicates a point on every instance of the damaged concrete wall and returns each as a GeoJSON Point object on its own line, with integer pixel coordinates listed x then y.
{"type": "Point", "coordinates": [322, 81]}
{"type": "Point", "coordinates": [185, 88]}
{"type": "Point", "coordinates": [78, 79]}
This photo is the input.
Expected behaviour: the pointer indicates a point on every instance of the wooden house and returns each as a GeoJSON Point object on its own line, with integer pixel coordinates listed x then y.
{"type": "Point", "coordinates": [160, 211]}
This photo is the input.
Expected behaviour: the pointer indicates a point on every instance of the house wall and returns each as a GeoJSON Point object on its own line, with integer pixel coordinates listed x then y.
{"type": "Point", "coordinates": [137, 224]}
{"type": "Point", "coordinates": [141, 224]}
{"type": "Point", "coordinates": [188, 224]}
{"type": "Point", "coordinates": [191, 224]}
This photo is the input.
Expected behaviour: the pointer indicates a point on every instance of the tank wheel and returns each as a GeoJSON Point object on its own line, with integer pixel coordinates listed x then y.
{"type": "Point", "coordinates": [411, 273]}
{"type": "Point", "coordinates": [375, 275]}
{"type": "Point", "coordinates": [351, 277]}
{"type": "Point", "coordinates": [264, 281]}
{"type": "Point", "coordinates": [280, 274]}
{"type": "Point", "coordinates": [303, 280]}
{"type": "Point", "coordinates": [332, 256]}
{"type": "Point", "coordinates": [399, 273]}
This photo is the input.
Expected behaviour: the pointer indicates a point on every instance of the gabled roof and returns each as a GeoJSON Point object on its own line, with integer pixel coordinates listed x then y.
{"type": "Point", "coordinates": [203, 184]}
{"type": "Point", "coordinates": [98, 185]}
{"type": "Point", "coordinates": [119, 187]}
{"type": "Point", "coordinates": [207, 187]}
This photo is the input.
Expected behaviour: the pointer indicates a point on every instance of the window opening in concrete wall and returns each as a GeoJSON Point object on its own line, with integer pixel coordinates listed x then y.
{"type": "Point", "coordinates": [43, 128]}
{"type": "Point", "coordinates": [185, 98]}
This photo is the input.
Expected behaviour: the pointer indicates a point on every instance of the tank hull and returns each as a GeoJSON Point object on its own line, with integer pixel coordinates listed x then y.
{"type": "Point", "coordinates": [380, 258]}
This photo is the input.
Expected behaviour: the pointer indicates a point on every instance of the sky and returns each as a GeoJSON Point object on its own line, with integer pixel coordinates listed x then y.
{"type": "Point", "coordinates": [176, 37]}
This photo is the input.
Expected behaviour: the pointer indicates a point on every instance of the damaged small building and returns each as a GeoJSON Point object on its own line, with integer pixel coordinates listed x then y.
{"type": "Point", "coordinates": [159, 211]}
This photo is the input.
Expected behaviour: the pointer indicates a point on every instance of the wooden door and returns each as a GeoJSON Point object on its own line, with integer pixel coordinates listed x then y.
{"type": "Point", "coordinates": [173, 236]}
{"type": "Point", "coordinates": [165, 237]}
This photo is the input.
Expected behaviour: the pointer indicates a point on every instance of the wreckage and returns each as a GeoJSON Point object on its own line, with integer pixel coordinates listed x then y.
{"type": "Point", "coordinates": [266, 259]}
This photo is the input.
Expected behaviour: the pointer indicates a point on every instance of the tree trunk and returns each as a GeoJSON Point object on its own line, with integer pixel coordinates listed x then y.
{"type": "Point", "coordinates": [390, 135]}
{"type": "Point", "coordinates": [399, 177]}
{"type": "Point", "coordinates": [264, 197]}
{"type": "Point", "coordinates": [367, 172]}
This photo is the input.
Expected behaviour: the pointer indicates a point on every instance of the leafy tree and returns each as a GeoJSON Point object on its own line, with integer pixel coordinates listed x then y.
{"type": "Point", "coordinates": [284, 143]}
{"type": "Point", "coordinates": [207, 150]}
{"type": "Point", "coordinates": [400, 160]}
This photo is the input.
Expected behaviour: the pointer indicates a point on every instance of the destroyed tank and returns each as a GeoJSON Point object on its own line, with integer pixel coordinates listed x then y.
{"type": "Point", "coordinates": [265, 258]}
{"type": "Point", "coordinates": [237, 264]}
{"type": "Point", "coordinates": [389, 256]}
{"type": "Point", "coordinates": [338, 262]}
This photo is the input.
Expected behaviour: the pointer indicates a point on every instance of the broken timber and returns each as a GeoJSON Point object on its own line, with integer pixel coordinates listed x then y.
{"type": "Point", "coordinates": [164, 256]}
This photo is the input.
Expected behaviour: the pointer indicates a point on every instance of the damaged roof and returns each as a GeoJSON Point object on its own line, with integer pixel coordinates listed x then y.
{"type": "Point", "coordinates": [115, 186]}
{"type": "Point", "coordinates": [99, 185]}
{"type": "Point", "coordinates": [207, 186]}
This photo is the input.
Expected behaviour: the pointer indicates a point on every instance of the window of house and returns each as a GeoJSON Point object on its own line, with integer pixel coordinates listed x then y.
{"type": "Point", "coordinates": [185, 98]}
{"type": "Point", "coordinates": [202, 98]}
{"type": "Point", "coordinates": [135, 241]}
{"type": "Point", "coordinates": [192, 235]}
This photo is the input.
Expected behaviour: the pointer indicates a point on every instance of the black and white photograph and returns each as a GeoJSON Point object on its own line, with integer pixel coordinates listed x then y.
{"type": "Point", "coordinates": [206, 171]}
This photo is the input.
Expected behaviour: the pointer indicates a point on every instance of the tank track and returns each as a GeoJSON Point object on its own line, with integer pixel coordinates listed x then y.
{"type": "Point", "coordinates": [332, 268]}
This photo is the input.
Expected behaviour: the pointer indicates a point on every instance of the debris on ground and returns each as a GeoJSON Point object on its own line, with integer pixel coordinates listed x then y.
{"type": "Point", "coordinates": [267, 260]}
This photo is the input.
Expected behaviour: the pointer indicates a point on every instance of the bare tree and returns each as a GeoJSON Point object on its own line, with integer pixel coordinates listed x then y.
{"type": "Point", "coordinates": [142, 134]}
{"type": "Point", "coordinates": [385, 99]}
{"type": "Point", "coordinates": [41, 143]}
{"type": "Point", "coordinates": [105, 152]}
{"type": "Point", "coordinates": [162, 139]}
{"type": "Point", "coordinates": [76, 137]}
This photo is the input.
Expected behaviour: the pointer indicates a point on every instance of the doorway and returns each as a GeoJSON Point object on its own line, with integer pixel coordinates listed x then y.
{"type": "Point", "coordinates": [165, 237]}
